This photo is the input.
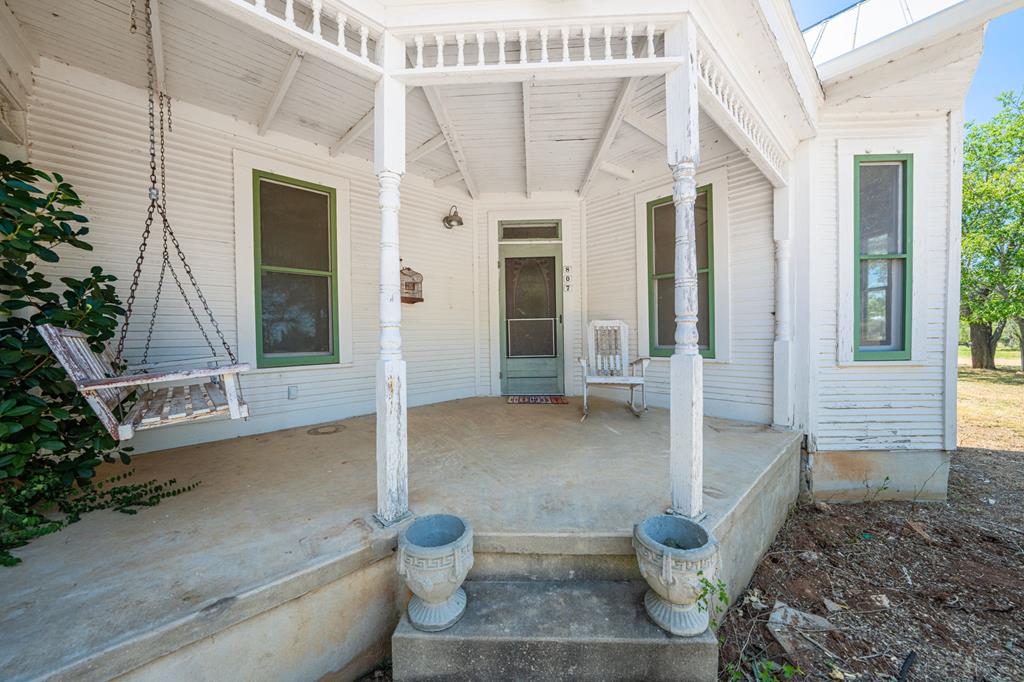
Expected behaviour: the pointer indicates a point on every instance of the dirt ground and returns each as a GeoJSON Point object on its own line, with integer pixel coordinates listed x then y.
{"type": "Point", "coordinates": [937, 589]}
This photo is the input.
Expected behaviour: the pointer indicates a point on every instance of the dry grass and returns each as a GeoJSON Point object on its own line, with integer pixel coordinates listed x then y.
{"type": "Point", "coordinates": [990, 409]}
{"type": "Point", "coordinates": [1005, 357]}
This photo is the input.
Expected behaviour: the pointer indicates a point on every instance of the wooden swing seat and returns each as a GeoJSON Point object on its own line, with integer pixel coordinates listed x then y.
{"type": "Point", "coordinates": [195, 394]}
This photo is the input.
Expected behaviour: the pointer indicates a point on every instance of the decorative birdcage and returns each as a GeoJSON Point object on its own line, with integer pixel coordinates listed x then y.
{"type": "Point", "coordinates": [412, 286]}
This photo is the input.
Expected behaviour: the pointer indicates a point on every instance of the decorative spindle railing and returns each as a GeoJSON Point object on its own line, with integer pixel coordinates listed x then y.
{"type": "Point", "coordinates": [327, 22]}
{"type": "Point", "coordinates": [538, 44]}
{"type": "Point", "coordinates": [729, 98]}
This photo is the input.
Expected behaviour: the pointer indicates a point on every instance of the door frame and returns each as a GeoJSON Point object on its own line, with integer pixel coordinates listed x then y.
{"type": "Point", "coordinates": [571, 302]}
{"type": "Point", "coordinates": [553, 247]}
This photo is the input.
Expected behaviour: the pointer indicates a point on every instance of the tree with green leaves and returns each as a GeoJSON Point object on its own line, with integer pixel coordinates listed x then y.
{"type": "Point", "coordinates": [51, 442]}
{"type": "Point", "coordinates": [992, 261]}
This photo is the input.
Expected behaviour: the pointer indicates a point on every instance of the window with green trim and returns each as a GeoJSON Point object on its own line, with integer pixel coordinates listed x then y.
{"type": "Point", "coordinates": [296, 271]}
{"type": "Point", "coordinates": [661, 258]}
{"type": "Point", "coordinates": [883, 222]}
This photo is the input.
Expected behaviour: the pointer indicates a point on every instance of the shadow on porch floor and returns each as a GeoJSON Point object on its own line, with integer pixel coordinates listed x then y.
{"type": "Point", "coordinates": [272, 506]}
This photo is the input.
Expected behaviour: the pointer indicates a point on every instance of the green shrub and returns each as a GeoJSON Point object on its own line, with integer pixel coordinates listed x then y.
{"type": "Point", "coordinates": [51, 442]}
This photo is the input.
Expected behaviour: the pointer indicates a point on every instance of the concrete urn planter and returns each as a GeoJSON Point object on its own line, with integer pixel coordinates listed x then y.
{"type": "Point", "coordinates": [674, 553]}
{"type": "Point", "coordinates": [434, 555]}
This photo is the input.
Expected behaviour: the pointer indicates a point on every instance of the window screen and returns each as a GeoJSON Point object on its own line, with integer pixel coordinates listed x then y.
{"type": "Point", "coordinates": [661, 217]}
{"type": "Point", "coordinates": [296, 271]}
{"type": "Point", "coordinates": [883, 265]}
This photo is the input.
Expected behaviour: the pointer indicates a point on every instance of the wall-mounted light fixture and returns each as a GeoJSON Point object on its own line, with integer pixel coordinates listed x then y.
{"type": "Point", "coordinates": [453, 219]}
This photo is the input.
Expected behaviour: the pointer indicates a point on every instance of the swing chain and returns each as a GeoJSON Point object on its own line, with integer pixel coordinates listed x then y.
{"type": "Point", "coordinates": [158, 204]}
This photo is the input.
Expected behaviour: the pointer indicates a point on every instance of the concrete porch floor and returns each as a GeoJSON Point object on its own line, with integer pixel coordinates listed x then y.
{"type": "Point", "coordinates": [278, 515]}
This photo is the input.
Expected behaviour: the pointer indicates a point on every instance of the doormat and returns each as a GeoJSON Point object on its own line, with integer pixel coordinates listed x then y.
{"type": "Point", "coordinates": [537, 400]}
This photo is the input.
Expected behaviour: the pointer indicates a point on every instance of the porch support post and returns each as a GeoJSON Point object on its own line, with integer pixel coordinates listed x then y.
{"type": "Point", "coordinates": [783, 411]}
{"type": "Point", "coordinates": [686, 457]}
{"type": "Point", "coordinates": [389, 163]}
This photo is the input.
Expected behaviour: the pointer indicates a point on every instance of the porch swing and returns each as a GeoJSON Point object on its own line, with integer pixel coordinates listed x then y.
{"type": "Point", "coordinates": [170, 396]}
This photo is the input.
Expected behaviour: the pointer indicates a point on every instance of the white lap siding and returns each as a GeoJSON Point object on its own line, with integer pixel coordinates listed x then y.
{"type": "Point", "coordinates": [740, 388]}
{"type": "Point", "coordinates": [880, 406]}
{"type": "Point", "coordinates": [93, 131]}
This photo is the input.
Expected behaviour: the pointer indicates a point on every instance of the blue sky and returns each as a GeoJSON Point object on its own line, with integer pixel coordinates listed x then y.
{"type": "Point", "coordinates": [1001, 67]}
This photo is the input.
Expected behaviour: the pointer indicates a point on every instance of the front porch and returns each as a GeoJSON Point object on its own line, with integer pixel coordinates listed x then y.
{"type": "Point", "coordinates": [287, 514]}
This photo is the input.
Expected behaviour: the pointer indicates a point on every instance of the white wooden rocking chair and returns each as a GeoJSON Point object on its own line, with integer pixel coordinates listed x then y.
{"type": "Point", "coordinates": [609, 364]}
{"type": "Point", "coordinates": [199, 393]}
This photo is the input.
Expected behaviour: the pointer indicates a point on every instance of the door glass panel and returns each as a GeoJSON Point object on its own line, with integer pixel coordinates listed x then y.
{"type": "Point", "coordinates": [294, 227]}
{"type": "Point", "coordinates": [881, 208]}
{"type": "Point", "coordinates": [296, 313]}
{"type": "Point", "coordinates": [530, 306]}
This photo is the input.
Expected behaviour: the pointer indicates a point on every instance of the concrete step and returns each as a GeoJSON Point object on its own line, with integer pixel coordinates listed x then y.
{"type": "Point", "coordinates": [553, 630]}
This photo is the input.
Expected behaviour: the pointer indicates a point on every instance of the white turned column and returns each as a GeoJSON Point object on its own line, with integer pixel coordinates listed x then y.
{"type": "Point", "coordinates": [389, 163]}
{"type": "Point", "coordinates": [782, 348]}
{"type": "Point", "coordinates": [686, 455]}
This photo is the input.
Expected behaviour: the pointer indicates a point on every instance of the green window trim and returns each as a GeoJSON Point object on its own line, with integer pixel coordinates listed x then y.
{"type": "Point", "coordinates": [652, 279]}
{"type": "Point", "coordinates": [293, 360]}
{"type": "Point", "coordinates": [906, 255]}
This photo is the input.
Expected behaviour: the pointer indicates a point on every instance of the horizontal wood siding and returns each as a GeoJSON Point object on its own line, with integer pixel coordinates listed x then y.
{"type": "Point", "coordinates": [95, 135]}
{"type": "Point", "coordinates": [741, 387]}
{"type": "Point", "coordinates": [880, 406]}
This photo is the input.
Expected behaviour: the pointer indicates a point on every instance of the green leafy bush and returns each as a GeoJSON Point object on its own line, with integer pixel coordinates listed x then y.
{"type": "Point", "coordinates": [51, 442]}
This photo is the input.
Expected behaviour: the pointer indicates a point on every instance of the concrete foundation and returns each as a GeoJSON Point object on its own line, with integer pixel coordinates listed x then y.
{"type": "Point", "coordinates": [578, 630]}
{"type": "Point", "coordinates": [862, 475]}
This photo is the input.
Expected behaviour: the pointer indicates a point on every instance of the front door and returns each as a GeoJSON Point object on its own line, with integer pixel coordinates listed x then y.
{"type": "Point", "coordinates": [531, 319]}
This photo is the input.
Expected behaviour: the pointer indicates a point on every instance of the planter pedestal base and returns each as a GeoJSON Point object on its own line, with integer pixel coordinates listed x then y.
{"type": "Point", "coordinates": [435, 617]}
{"type": "Point", "coordinates": [685, 621]}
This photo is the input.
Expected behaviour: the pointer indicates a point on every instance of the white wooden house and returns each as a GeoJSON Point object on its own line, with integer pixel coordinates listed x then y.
{"type": "Point", "coordinates": [774, 214]}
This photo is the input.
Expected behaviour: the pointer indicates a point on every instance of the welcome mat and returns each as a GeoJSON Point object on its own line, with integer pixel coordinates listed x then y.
{"type": "Point", "coordinates": [537, 400]}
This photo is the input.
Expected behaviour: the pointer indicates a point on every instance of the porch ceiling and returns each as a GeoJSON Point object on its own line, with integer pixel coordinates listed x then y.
{"type": "Point", "coordinates": [227, 67]}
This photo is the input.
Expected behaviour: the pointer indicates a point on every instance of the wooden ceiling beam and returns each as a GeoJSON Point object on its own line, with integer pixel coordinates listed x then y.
{"type": "Point", "coordinates": [434, 143]}
{"type": "Point", "coordinates": [280, 92]}
{"type": "Point", "coordinates": [294, 62]}
{"type": "Point", "coordinates": [353, 133]}
{"type": "Point", "coordinates": [292, 68]}
{"type": "Point", "coordinates": [444, 121]}
{"type": "Point", "coordinates": [527, 156]}
{"type": "Point", "coordinates": [652, 129]}
{"type": "Point", "coordinates": [618, 171]}
{"type": "Point", "coordinates": [449, 179]}
{"type": "Point", "coordinates": [611, 129]}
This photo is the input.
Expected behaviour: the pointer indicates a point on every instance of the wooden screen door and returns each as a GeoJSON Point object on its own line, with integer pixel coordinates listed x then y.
{"type": "Point", "coordinates": [531, 319]}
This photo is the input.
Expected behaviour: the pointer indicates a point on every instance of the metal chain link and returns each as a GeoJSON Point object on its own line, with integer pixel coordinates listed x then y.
{"type": "Point", "coordinates": [158, 204]}
{"type": "Point", "coordinates": [153, 192]}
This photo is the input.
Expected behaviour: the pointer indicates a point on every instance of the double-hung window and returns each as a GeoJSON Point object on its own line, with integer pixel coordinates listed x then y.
{"type": "Point", "coordinates": [296, 271]}
{"type": "Point", "coordinates": [883, 221]}
{"type": "Point", "coordinates": [661, 255]}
